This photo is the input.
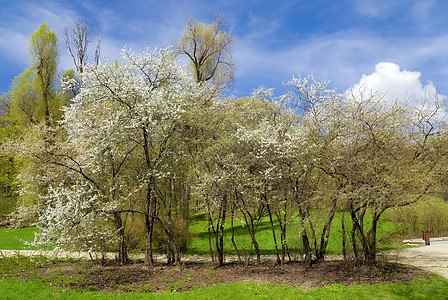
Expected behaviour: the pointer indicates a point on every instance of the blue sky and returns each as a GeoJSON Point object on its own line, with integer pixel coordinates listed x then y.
{"type": "Point", "coordinates": [342, 41]}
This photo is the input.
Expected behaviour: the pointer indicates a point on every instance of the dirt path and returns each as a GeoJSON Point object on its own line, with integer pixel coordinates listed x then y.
{"type": "Point", "coordinates": [132, 256]}
{"type": "Point", "coordinates": [66, 254]}
{"type": "Point", "coordinates": [433, 258]}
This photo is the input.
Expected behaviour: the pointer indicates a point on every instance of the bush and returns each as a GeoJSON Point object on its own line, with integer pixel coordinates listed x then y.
{"type": "Point", "coordinates": [182, 237]}
{"type": "Point", "coordinates": [7, 205]}
{"type": "Point", "coordinates": [136, 235]}
{"type": "Point", "coordinates": [430, 214]}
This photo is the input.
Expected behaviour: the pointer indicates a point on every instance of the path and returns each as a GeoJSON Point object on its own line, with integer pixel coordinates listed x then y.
{"type": "Point", "coordinates": [67, 254]}
{"type": "Point", "coordinates": [433, 258]}
{"type": "Point", "coordinates": [132, 256]}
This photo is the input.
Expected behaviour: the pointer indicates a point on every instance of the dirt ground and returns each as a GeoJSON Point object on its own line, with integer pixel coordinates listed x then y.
{"type": "Point", "coordinates": [138, 278]}
{"type": "Point", "coordinates": [197, 272]}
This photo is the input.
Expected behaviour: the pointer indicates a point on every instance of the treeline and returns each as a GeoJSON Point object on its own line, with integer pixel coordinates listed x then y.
{"type": "Point", "coordinates": [130, 150]}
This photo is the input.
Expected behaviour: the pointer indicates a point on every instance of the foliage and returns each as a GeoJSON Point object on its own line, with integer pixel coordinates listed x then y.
{"type": "Point", "coordinates": [430, 214]}
{"type": "Point", "coordinates": [208, 48]}
{"type": "Point", "coordinates": [141, 143]}
{"type": "Point", "coordinates": [44, 52]}
{"type": "Point", "coordinates": [76, 218]}
{"type": "Point", "coordinates": [31, 102]}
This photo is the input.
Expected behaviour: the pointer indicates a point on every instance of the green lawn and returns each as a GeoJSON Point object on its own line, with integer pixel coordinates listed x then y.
{"type": "Point", "coordinates": [430, 287]}
{"type": "Point", "coordinates": [199, 245]}
{"type": "Point", "coordinates": [10, 239]}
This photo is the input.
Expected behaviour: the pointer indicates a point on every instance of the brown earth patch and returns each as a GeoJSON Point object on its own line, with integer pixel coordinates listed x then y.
{"type": "Point", "coordinates": [138, 278]}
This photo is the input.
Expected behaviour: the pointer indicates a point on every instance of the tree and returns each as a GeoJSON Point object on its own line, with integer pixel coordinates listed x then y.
{"type": "Point", "coordinates": [388, 160]}
{"type": "Point", "coordinates": [314, 187]}
{"type": "Point", "coordinates": [32, 97]}
{"type": "Point", "coordinates": [31, 100]}
{"type": "Point", "coordinates": [78, 36]}
{"type": "Point", "coordinates": [8, 164]}
{"type": "Point", "coordinates": [130, 111]}
{"type": "Point", "coordinates": [261, 148]}
{"type": "Point", "coordinates": [208, 48]}
{"type": "Point", "coordinates": [44, 52]}
{"type": "Point", "coordinates": [25, 105]}
{"type": "Point", "coordinates": [77, 39]}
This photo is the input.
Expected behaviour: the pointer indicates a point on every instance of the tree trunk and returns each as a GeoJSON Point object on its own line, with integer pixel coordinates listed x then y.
{"type": "Point", "coordinates": [326, 232]}
{"type": "Point", "coordinates": [122, 247]}
{"type": "Point", "coordinates": [170, 252]}
{"type": "Point", "coordinates": [221, 223]}
{"type": "Point", "coordinates": [255, 244]}
{"type": "Point", "coordinates": [370, 253]}
{"type": "Point", "coordinates": [233, 235]}
{"type": "Point", "coordinates": [313, 235]}
{"type": "Point", "coordinates": [186, 205]}
{"type": "Point", "coordinates": [272, 229]}
{"type": "Point", "coordinates": [344, 247]}
{"type": "Point", "coordinates": [354, 243]}
{"type": "Point", "coordinates": [358, 227]}
{"type": "Point", "coordinates": [306, 247]}
{"type": "Point", "coordinates": [150, 206]}
{"type": "Point", "coordinates": [251, 227]}
{"type": "Point", "coordinates": [150, 212]}
{"type": "Point", "coordinates": [209, 230]}
{"type": "Point", "coordinates": [282, 221]}
{"type": "Point", "coordinates": [305, 240]}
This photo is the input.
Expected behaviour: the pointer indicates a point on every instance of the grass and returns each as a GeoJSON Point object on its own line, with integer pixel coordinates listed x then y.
{"type": "Point", "coordinates": [12, 266]}
{"type": "Point", "coordinates": [200, 245]}
{"type": "Point", "coordinates": [12, 287]}
{"type": "Point", "coordinates": [11, 239]}
{"type": "Point", "coordinates": [429, 287]}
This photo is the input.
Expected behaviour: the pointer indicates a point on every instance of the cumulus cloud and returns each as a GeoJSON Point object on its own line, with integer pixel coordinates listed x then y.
{"type": "Point", "coordinates": [403, 86]}
{"type": "Point", "coordinates": [396, 84]}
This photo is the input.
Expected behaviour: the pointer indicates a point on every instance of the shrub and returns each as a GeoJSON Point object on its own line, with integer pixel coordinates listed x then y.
{"type": "Point", "coordinates": [430, 214]}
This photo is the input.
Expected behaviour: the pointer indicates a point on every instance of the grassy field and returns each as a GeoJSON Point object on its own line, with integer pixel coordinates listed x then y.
{"type": "Point", "coordinates": [12, 287]}
{"type": "Point", "coordinates": [199, 244]}
{"type": "Point", "coordinates": [430, 287]}
{"type": "Point", "coordinates": [11, 239]}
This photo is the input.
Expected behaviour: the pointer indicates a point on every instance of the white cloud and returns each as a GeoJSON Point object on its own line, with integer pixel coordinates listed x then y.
{"type": "Point", "coordinates": [341, 57]}
{"type": "Point", "coordinates": [13, 45]}
{"type": "Point", "coordinates": [396, 84]}
{"type": "Point", "coordinates": [262, 56]}
{"type": "Point", "coordinates": [16, 29]}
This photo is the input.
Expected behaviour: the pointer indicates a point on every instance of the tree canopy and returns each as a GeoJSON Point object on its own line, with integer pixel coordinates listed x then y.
{"type": "Point", "coordinates": [144, 143]}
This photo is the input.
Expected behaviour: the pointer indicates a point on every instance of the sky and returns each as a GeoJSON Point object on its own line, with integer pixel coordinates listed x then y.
{"type": "Point", "coordinates": [397, 46]}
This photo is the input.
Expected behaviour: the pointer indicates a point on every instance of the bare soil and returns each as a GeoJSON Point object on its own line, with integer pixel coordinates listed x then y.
{"type": "Point", "coordinates": [181, 277]}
